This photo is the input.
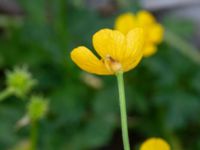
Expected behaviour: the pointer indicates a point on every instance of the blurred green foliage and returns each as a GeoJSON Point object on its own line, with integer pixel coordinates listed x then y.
{"type": "Point", "coordinates": [162, 92]}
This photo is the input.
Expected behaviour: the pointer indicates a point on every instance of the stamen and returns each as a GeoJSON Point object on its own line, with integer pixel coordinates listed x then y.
{"type": "Point", "coordinates": [112, 64]}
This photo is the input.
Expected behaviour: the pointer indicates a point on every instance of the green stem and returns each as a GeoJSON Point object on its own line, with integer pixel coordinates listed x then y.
{"type": "Point", "coordinates": [182, 46]}
{"type": "Point", "coordinates": [34, 135]}
{"type": "Point", "coordinates": [122, 101]}
{"type": "Point", "coordinates": [5, 94]}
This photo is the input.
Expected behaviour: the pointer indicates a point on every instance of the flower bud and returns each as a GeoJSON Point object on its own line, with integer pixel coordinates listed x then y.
{"type": "Point", "coordinates": [20, 81]}
{"type": "Point", "coordinates": [37, 107]}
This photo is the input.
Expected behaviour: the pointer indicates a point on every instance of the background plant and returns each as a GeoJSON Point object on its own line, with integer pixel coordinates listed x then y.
{"type": "Point", "coordinates": [19, 83]}
{"type": "Point", "coordinates": [165, 87]}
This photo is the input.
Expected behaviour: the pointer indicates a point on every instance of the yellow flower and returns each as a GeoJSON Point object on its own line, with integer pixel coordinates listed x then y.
{"type": "Point", "coordinates": [153, 31]}
{"type": "Point", "coordinates": [155, 144]}
{"type": "Point", "coordinates": [118, 52]}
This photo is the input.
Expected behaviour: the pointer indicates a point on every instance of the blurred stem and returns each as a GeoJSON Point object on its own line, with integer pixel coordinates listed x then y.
{"type": "Point", "coordinates": [176, 142]}
{"type": "Point", "coordinates": [5, 94]}
{"type": "Point", "coordinates": [182, 46]}
{"type": "Point", "coordinates": [34, 135]}
{"type": "Point", "coordinates": [122, 101]}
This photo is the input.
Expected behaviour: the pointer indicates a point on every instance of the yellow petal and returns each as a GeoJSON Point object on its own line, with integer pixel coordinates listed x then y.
{"type": "Point", "coordinates": [149, 50]}
{"type": "Point", "coordinates": [125, 22]}
{"type": "Point", "coordinates": [155, 144]}
{"type": "Point", "coordinates": [156, 33]}
{"type": "Point", "coordinates": [109, 43]}
{"type": "Point", "coordinates": [145, 18]}
{"type": "Point", "coordinates": [87, 61]}
{"type": "Point", "coordinates": [134, 49]}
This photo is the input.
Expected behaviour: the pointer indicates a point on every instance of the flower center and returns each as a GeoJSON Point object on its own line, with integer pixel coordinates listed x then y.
{"type": "Point", "coordinates": [112, 64]}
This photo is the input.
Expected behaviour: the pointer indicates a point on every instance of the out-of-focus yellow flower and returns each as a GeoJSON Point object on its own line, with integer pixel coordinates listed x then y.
{"type": "Point", "coordinates": [155, 144]}
{"type": "Point", "coordinates": [118, 52]}
{"type": "Point", "coordinates": [153, 31]}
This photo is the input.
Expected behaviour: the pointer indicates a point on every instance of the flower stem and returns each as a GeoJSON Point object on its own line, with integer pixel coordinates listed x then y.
{"type": "Point", "coordinates": [6, 93]}
{"type": "Point", "coordinates": [34, 135]}
{"type": "Point", "coordinates": [182, 46]}
{"type": "Point", "coordinates": [122, 101]}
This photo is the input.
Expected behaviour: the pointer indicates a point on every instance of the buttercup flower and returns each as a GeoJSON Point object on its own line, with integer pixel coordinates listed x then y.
{"type": "Point", "coordinates": [153, 31]}
{"type": "Point", "coordinates": [155, 144]}
{"type": "Point", "coordinates": [118, 52]}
